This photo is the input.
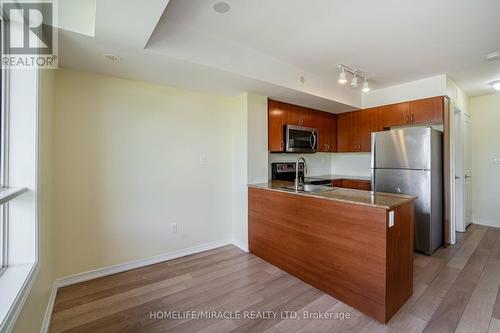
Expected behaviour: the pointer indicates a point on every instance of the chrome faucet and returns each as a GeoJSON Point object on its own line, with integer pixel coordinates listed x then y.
{"type": "Point", "coordinates": [297, 179]}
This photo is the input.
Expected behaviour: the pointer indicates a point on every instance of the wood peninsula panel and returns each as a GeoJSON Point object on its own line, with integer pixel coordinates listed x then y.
{"type": "Point", "coordinates": [345, 250]}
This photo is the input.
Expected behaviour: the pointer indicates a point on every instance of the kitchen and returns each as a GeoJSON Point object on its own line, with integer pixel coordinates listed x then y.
{"type": "Point", "coordinates": [405, 190]}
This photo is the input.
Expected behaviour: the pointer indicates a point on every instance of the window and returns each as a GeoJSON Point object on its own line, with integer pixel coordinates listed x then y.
{"type": "Point", "coordinates": [6, 193]}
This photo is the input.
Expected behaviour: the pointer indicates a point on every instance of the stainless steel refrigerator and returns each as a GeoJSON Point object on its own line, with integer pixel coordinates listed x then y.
{"type": "Point", "coordinates": [410, 161]}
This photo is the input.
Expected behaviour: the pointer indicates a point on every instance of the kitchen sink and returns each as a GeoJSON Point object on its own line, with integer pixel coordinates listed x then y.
{"type": "Point", "coordinates": [309, 188]}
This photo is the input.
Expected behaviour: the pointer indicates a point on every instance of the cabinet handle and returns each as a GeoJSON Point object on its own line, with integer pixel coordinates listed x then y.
{"type": "Point", "coordinates": [407, 119]}
{"type": "Point", "coordinates": [282, 145]}
{"type": "Point", "coordinates": [412, 118]}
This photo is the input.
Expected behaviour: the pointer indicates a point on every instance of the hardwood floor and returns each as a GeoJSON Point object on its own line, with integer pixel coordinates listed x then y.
{"type": "Point", "coordinates": [455, 290]}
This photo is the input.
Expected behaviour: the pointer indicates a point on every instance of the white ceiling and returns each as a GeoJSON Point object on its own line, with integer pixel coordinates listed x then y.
{"type": "Point", "coordinates": [266, 46]}
{"type": "Point", "coordinates": [393, 41]}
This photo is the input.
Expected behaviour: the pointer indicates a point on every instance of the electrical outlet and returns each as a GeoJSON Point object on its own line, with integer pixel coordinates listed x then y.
{"type": "Point", "coordinates": [391, 218]}
{"type": "Point", "coordinates": [203, 160]}
{"type": "Point", "coordinates": [173, 228]}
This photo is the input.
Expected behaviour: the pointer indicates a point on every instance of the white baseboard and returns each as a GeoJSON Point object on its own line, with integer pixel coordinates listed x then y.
{"type": "Point", "coordinates": [100, 272]}
{"type": "Point", "coordinates": [485, 222]}
{"type": "Point", "coordinates": [242, 246]}
{"type": "Point", "coordinates": [105, 271]}
{"type": "Point", "coordinates": [48, 311]}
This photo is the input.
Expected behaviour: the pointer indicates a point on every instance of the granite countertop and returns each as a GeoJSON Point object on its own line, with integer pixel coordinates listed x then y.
{"type": "Point", "coordinates": [358, 197]}
{"type": "Point", "coordinates": [333, 177]}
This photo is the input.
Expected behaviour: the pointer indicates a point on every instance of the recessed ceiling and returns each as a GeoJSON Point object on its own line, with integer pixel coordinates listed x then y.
{"type": "Point", "coordinates": [392, 41]}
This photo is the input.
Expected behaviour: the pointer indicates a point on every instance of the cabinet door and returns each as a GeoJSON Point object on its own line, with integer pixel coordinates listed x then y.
{"type": "Point", "coordinates": [293, 115]}
{"type": "Point", "coordinates": [395, 115]}
{"type": "Point", "coordinates": [276, 121]}
{"type": "Point", "coordinates": [345, 132]}
{"type": "Point", "coordinates": [365, 122]}
{"type": "Point", "coordinates": [356, 184]}
{"type": "Point", "coordinates": [427, 111]}
{"type": "Point", "coordinates": [321, 121]}
{"type": "Point", "coordinates": [333, 132]}
{"type": "Point", "coordinates": [298, 116]}
{"type": "Point", "coordinates": [307, 116]}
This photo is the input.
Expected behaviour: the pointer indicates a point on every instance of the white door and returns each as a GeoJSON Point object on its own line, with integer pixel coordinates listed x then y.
{"type": "Point", "coordinates": [459, 172]}
{"type": "Point", "coordinates": [467, 170]}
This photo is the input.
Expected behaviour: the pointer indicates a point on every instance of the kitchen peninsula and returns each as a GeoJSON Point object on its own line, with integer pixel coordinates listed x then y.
{"type": "Point", "coordinates": [354, 245]}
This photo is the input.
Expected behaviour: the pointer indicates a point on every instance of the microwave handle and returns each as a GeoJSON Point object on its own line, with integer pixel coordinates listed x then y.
{"type": "Point", "coordinates": [313, 143]}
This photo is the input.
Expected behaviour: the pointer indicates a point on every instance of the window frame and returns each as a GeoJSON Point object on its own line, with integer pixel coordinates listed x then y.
{"type": "Point", "coordinates": [4, 232]}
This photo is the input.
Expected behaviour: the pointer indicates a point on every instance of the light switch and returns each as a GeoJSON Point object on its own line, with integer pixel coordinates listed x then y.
{"type": "Point", "coordinates": [391, 218]}
{"type": "Point", "coordinates": [203, 160]}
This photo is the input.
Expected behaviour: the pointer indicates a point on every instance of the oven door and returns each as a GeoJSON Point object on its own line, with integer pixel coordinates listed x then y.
{"type": "Point", "coordinates": [301, 139]}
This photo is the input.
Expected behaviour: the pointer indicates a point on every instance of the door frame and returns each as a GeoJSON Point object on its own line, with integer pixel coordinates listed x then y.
{"type": "Point", "coordinates": [458, 190]}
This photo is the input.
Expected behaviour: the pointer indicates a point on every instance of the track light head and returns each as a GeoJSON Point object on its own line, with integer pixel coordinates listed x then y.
{"type": "Point", "coordinates": [354, 82]}
{"type": "Point", "coordinates": [495, 84]}
{"type": "Point", "coordinates": [366, 87]}
{"type": "Point", "coordinates": [342, 76]}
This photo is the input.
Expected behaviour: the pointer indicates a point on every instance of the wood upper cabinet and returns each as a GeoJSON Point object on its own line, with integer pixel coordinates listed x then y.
{"type": "Point", "coordinates": [354, 130]}
{"type": "Point", "coordinates": [395, 114]}
{"type": "Point", "coordinates": [366, 122]}
{"type": "Point", "coordinates": [427, 111]}
{"type": "Point", "coordinates": [345, 132]}
{"type": "Point", "coordinates": [419, 112]}
{"type": "Point", "coordinates": [326, 124]}
{"type": "Point", "coordinates": [298, 116]}
{"type": "Point", "coordinates": [276, 123]}
{"type": "Point", "coordinates": [281, 114]}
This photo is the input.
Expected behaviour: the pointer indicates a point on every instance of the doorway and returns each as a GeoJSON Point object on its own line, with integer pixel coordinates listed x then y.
{"type": "Point", "coordinates": [463, 161]}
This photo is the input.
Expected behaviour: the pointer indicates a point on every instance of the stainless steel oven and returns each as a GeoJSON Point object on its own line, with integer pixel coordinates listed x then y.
{"type": "Point", "coordinates": [300, 139]}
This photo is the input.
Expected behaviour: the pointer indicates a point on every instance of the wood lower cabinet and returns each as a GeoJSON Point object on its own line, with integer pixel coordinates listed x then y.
{"type": "Point", "coordinates": [346, 250]}
{"type": "Point", "coordinates": [356, 184]}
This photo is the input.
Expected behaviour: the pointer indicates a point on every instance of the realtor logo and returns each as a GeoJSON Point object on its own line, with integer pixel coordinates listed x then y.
{"type": "Point", "coordinates": [29, 36]}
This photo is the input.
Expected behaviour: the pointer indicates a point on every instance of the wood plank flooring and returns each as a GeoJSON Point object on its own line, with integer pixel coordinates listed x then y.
{"type": "Point", "coordinates": [455, 290]}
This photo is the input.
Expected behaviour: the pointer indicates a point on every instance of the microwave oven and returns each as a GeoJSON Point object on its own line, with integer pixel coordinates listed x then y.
{"type": "Point", "coordinates": [300, 139]}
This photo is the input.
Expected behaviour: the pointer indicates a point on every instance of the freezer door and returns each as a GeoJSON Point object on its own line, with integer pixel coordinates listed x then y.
{"type": "Point", "coordinates": [406, 148]}
{"type": "Point", "coordinates": [412, 182]}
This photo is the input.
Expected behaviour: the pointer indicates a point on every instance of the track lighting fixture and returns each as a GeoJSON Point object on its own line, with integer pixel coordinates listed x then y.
{"type": "Point", "coordinates": [342, 77]}
{"type": "Point", "coordinates": [495, 84]}
{"type": "Point", "coordinates": [356, 75]}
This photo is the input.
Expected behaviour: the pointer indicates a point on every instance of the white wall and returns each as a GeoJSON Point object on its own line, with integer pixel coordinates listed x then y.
{"type": "Point", "coordinates": [485, 115]}
{"type": "Point", "coordinates": [428, 87]}
{"type": "Point", "coordinates": [127, 165]}
{"type": "Point", "coordinates": [250, 160]}
{"type": "Point", "coordinates": [352, 164]}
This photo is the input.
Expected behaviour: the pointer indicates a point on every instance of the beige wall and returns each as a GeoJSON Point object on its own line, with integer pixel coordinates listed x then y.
{"type": "Point", "coordinates": [121, 161]}
{"type": "Point", "coordinates": [127, 165]}
{"type": "Point", "coordinates": [31, 317]}
{"type": "Point", "coordinates": [485, 116]}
